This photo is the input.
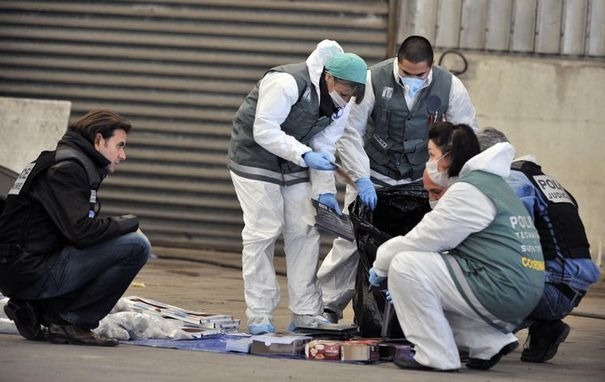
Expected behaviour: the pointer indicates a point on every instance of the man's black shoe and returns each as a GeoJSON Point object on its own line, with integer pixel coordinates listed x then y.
{"type": "Point", "coordinates": [544, 339]}
{"type": "Point", "coordinates": [26, 319]}
{"type": "Point", "coordinates": [486, 364]}
{"type": "Point", "coordinates": [72, 334]}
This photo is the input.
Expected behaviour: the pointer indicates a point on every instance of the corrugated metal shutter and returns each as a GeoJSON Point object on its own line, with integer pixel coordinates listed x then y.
{"type": "Point", "coordinates": [178, 69]}
{"type": "Point", "coordinates": [553, 27]}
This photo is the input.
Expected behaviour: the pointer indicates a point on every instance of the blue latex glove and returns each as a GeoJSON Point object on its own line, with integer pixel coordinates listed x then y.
{"type": "Point", "coordinates": [367, 192]}
{"type": "Point", "coordinates": [374, 279]}
{"type": "Point", "coordinates": [387, 295]}
{"type": "Point", "coordinates": [330, 201]}
{"type": "Point", "coordinates": [319, 161]}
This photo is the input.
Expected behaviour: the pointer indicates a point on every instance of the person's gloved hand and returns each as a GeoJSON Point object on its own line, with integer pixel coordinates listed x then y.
{"type": "Point", "coordinates": [330, 201]}
{"type": "Point", "coordinates": [319, 161]}
{"type": "Point", "coordinates": [367, 192]}
{"type": "Point", "coordinates": [374, 279]}
{"type": "Point", "coordinates": [387, 295]}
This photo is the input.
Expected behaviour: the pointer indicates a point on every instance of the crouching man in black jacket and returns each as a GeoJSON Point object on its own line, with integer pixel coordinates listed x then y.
{"type": "Point", "coordinates": [63, 266]}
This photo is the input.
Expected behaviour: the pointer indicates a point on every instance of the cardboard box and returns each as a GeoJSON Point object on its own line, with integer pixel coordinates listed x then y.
{"type": "Point", "coordinates": [360, 350]}
{"type": "Point", "coordinates": [279, 344]}
{"type": "Point", "coordinates": [324, 350]}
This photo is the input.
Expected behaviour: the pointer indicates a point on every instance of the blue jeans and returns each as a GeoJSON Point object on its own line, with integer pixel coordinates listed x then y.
{"type": "Point", "coordinates": [553, 306]}
{"type": "Point", "coordinates": [83, 285]}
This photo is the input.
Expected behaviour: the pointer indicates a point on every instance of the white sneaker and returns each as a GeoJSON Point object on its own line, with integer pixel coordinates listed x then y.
{"type": "Point", "coordinates": [307, 321]}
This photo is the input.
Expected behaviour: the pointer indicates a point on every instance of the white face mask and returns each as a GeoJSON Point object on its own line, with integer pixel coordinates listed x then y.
{"type": "Point", "coordinates": [433, 203]}
{"type": "Point", "coordinates": [438, 177]}
{"type": "Point", "coordinates": [413, 85]}
{"type": "Point", "coordinates": [337, 99]}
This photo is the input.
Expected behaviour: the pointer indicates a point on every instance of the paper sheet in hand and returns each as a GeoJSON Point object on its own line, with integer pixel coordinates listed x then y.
{"type": "Point", "coordinates": [326, 219]}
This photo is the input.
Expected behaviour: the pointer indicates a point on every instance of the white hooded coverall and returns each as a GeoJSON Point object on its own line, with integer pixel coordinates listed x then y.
{"type": "Point", "coordinates": [432, 313]}
{"type": "Point", "coordinates": [271, 210]}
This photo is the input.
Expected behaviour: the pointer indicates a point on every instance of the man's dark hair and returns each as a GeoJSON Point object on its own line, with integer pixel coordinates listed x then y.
{"type": "Point", "coordinates": [459, 141]}
{"type": "Point", "coordinates": [102, 122]}
{"type": "Point", "coordinates": [415, 49]}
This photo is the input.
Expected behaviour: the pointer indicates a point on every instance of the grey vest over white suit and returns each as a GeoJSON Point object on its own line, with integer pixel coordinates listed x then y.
{"type": "Point", "coordinates": [249, 160]}
{"type": "Point", "coordinates": [396, 138]}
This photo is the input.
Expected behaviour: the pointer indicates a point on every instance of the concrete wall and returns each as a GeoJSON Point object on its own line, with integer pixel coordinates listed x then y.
{"type": "Point", "coordinates": [27, 127]}
{"type": "Point", "coordinates": [553, 109]}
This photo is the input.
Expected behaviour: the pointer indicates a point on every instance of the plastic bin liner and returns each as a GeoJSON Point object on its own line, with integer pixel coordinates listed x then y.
{"type": "Point", "coordinates": [399, 209]}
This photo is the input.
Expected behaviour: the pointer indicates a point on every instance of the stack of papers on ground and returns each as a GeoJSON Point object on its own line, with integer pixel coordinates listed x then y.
{"type": "Point", "coordinates": [198, 324]}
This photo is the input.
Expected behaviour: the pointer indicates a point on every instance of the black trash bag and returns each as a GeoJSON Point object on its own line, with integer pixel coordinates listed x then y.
{"type": "Point", "coordinates": [399, 209]}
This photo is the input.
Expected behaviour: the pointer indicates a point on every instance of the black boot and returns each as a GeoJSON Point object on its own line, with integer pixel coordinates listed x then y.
{"type": "Point", "coordinates": [26, 319]}
{"type": "Point", "coordinates": [486, 364]}
{"type": "Point", "coordinates": [544, 339]}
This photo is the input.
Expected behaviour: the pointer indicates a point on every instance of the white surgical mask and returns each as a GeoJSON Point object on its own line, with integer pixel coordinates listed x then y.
{"type": "Point", "coordinates": [433, 203]}
{"type": "Point", "coordinates": [413, 85]}
{"type": "Point", "coordinates": [337, 99]}
{"type": "Point", "coordinates": [438, 177]}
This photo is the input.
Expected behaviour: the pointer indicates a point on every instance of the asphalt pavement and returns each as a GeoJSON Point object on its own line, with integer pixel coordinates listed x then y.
{"type": "Point", "coordinates": [213, 283]}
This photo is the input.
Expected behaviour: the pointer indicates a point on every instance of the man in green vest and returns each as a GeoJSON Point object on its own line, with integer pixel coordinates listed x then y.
{"type": "Point", "coordinates": [404, 96]}
{"type": "Point", "coordinates": [570, 270]}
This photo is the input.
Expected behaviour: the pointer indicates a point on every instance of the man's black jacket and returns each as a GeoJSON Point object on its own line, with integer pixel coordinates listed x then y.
{"type": "Point", "coordinates": [53, 210]}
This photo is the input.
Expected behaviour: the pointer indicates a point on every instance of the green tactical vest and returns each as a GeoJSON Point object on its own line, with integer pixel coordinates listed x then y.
{"type": "Point", "coordinates": [396, 137]}
{"type": "Point", "coordinates": [249, 159]}
{"type": "Point", "coordinates": [499, 271]}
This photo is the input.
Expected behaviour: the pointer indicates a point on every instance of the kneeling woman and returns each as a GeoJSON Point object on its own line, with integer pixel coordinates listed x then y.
{"type": "Point", "coordinates": [472, 269]}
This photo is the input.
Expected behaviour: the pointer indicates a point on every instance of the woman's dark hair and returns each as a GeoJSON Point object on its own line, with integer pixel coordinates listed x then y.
{"type": "Point", "coordinates": [459, 141]}
{"type": "Point", "coordinates": [358, 89]}
{"type": "Point", "coordinates": [102, 122]}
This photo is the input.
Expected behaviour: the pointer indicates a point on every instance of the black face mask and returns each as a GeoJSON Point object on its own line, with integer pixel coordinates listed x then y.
{"type": "Point", "coordinates": [326, 105]}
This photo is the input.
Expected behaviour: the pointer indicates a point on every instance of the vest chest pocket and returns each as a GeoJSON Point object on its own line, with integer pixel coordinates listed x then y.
{"type": "Point", "coordinates": [378, 149]}
{"type": "Point", "coordinates": [416, 151]}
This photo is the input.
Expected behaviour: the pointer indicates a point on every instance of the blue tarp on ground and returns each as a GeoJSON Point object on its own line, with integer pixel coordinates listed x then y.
{"type": "Point", "coordinates": [216, 343]}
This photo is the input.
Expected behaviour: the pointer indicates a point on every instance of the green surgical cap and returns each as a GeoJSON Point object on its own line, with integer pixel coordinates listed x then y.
{"type": "Point", "coordinates": [348, 67]}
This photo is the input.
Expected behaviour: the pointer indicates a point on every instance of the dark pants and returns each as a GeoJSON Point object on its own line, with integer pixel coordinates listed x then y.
{"type": "Point", "coordinates": [553, 306]}
{"type": "Point", "coordinates": [83, 285]}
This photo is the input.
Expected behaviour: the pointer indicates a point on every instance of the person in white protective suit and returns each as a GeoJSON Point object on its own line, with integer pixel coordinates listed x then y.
{"type": "Point", "coordinates": [404, 96]}
{"type": "Point", "coordinates": [469, 273]}
{"type": "Point", "coordinates": [282, 155]}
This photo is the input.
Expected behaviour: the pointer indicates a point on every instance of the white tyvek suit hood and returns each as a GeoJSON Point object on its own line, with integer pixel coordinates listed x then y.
{"type": "Point", "coordinates": [495, 160]}
{"type": "Point", "coordinates": [325, 141]}
{"type": "Point", "coordinates": [318, 58]}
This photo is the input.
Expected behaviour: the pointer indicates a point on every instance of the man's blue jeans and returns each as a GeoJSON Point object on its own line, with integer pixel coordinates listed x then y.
{"type": "Point", "coordinates": [553, 306]}
{"type": "Point", "coordinates": [83, 285]}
